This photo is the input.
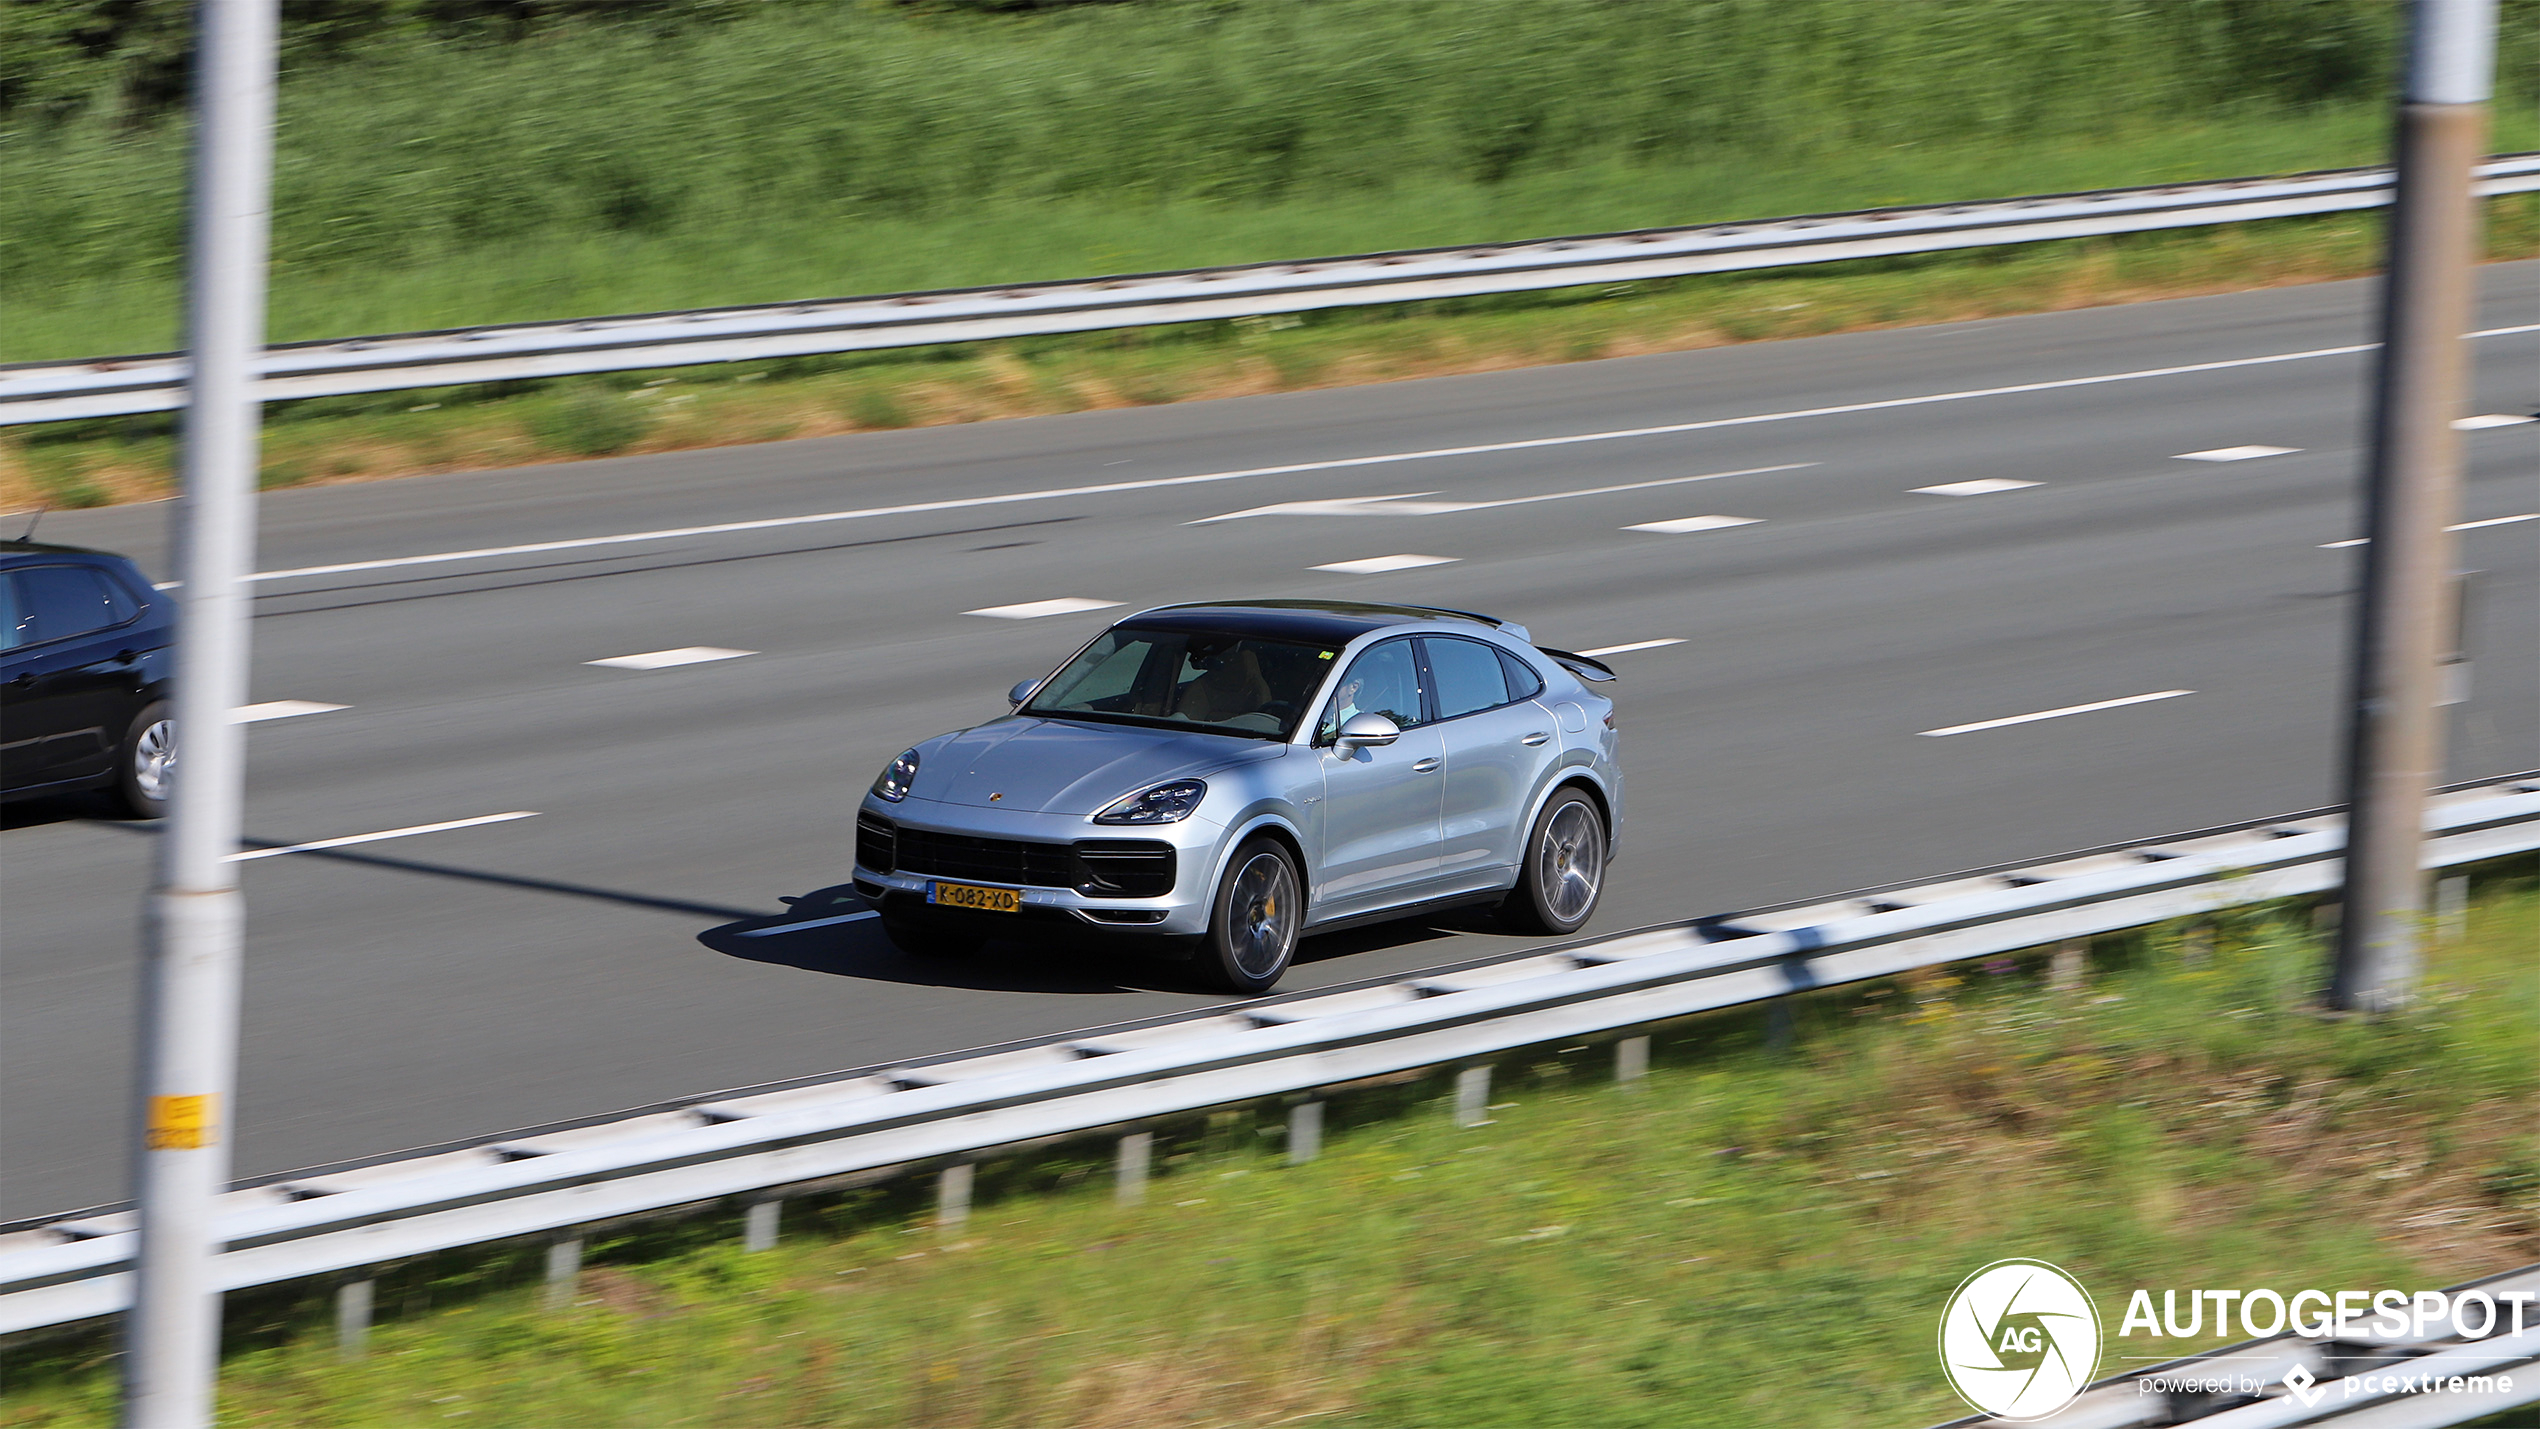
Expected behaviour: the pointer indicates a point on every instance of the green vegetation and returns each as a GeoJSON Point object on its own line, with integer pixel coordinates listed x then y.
{"type": "Point", "coordinates": [1753, 1237]}
{"type": "Point", "coordinates": [512, 423]}
{"type": "Point", "coordinates": [445, 164]}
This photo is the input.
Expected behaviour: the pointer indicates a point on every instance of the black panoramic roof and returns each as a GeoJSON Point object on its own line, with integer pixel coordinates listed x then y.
{"type": "Point", "coordinates": [1328, 622]}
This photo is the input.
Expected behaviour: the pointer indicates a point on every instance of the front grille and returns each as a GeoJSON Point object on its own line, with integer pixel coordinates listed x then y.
{"type": "Point", "coordinates": [874, 843]}
{"type": "Point", "coordinates": [1097, 868]}
{"type": "Point", "coordinates": [989, 860]}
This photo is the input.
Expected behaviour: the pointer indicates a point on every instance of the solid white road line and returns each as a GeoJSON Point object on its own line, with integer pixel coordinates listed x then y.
{"type": "Point", "coordinates": [1984, 486]}
{"type": "Point", "coordinates": [1683, 525]}
{"type": "Point", "coordinates": [2464, 526]}
{"type": "Point", "coordinates": [814, 923]}
{"type": "Point", "coordinates": [665, 659]}
{"type": "Point", "coordinates": [2492, 419]}
{"type": "Point", "coordinates": [2235, 453]}
{"type": "Point", "coordinates": [1035, 609]}
{"type": "Point", "coordinates": [280, 709]}
{"type": "Point", "coordinates": [348, 841]}
{"type": "Point", "coordinates": [1627, 649]}
{"type": "Point", "coordinates": [1404, 505]}
{"type": "Point", "coordinates": [1378, 565]}
{"type": "Point", "coordinates": [1054, 493]}
{"type": "Point", "coordinates": [2056, 714]}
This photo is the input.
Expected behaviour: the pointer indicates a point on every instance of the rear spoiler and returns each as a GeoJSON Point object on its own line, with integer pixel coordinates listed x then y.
{"type": "Point", "coordinates": [1580, 665]}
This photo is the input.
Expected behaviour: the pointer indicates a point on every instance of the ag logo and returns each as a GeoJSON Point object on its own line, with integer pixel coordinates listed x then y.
{"type": "Point", "coordinates": [2019, 1339]}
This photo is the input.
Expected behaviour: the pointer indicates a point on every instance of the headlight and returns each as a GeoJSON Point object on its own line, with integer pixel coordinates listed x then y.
{"type": "Point", "coordinates": [893, 785]}
{"type": "Point", "coordinates": [1163, 804]}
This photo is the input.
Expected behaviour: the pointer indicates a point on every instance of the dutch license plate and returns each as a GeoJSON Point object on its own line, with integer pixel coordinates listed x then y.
{"type": "Point", "coordinates": [987, 900]}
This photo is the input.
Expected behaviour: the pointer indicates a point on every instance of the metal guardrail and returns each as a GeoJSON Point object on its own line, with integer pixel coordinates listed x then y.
{"type": "Point", "coordinates": [102, 387]}
{"type": "Point", "coordinates": [2141, 1398]}
{"type": "Point", "coordinates": [753, 1144]}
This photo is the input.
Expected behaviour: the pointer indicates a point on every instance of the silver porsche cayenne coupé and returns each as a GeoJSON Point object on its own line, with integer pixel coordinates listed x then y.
{"type": "Point", "coordinates": [1222, 779]}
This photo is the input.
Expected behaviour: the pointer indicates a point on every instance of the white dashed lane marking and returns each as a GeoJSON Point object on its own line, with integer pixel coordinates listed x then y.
{"type": "Point", "coordinates": [814, 923]}
{"type": "Point", "coordinates": [2235, 453]}
{"type": "Point", "coordinates": [1684, 525]}
{"type": "Point", "coordinates": [964, 503]}
{"type": "Point", "coordinates": [1378, 565]}
{"type": "Point", "coordinates": [280, 709]}
{"type": "Point", "coordinates": [1404, 504]}
{"type": "Point", "coordinates": [2056, 714]}
{"type": "Point", "coordinates": [1035, 609]}
{"type": "Point", "coordinates": [1627, 649]}
{"type": "Point", "coordinates": [2464, 526]}
{"type": "Point", "coordinates": [2492, 419]}
{"type": "Point", "coordinates": [664, 659]}
{"type": "Point", "coordinates": [1984, 486]}
{"type": "Point", "coordinates": [349, 840]}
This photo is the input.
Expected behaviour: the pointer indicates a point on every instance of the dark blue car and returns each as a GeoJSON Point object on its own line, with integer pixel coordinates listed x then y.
{"type": "Point", "coordinates": [86, 653]}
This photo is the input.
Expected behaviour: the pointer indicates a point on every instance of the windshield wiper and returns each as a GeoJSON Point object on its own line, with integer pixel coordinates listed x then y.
{"type": "Point", "coordinates": [1154, 722]}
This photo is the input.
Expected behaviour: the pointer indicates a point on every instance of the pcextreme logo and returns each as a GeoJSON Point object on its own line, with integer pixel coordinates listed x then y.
{"type": "Point", "coordinates": [2019, 1339]}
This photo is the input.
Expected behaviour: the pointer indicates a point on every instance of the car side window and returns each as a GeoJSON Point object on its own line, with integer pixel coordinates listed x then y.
{"type": "Point", "coordinates": [64, 601]}
{"type": "Point", "coordinates": [14, 616]}
{"type": "Point", "coordinates": [1385, 680]}
{"type": "Point", "coordinates": [1468, 675]}
{"type": "Point", "coordinates": [1523, 682]}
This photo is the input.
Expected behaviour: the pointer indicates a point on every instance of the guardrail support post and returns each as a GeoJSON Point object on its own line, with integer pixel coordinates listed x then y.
{"type": "Point", "coordinates": [2066, 971]}
{"type": "Point", "coordinates": [1305, 1132]}
{"type": "Point", "coordinates": [564, 1271]}
{"type": "Point", "coordinates": [2451, 909]}
{"type": "Point", "coordinates": [952, 1196]}
{"type": "Point", "coordinates": [1472, 1096]}
{"type": "Point", "coordinates": [2196, 946]}
{"type": "Point", "coordinates": [758, 1224]}
{"type": "Point", "coordinates": [1631, 1061]}
{"type": "Point", "coordinates": [352, 1318]}
{"type": "Point", "coordinates": [1129, 1186]}
{"type": "Point", "coordinates": [1778, 1030]}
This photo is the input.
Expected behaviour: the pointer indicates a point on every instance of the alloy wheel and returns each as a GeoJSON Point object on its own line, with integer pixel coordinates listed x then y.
{"type": "Point", "coordinates": [1571, 862]}
{"type": "Point", "coordinates": [154, 760]}
{"type": "Point", "coordinates": [1263, 909]}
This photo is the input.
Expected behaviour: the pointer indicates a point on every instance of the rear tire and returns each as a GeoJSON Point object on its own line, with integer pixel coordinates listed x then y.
{"type": "Point", "coordinates": [923, 939]}
{"type": "Point", "coordinates": [1253, 923]}
{"type": "Point", "coordinates": [145, 762]}
{"type": "Point", "coordinates": [1564, 870]}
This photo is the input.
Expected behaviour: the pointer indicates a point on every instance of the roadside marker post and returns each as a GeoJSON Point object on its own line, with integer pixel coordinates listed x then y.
{"type": "Point", "coordinates": [2394, 738]}
{"type": "Point", "coordinates": [192, 930]}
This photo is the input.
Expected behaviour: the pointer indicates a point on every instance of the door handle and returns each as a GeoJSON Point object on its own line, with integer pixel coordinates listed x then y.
{"type": "Point", "coordinates": [126, 657]}
{"type": "Point", "coordinates": [1427, 766]}
{"type": "Point", "coordinates": [24, 679]}
{"type": "Point", "coordinates": [1534, 739]}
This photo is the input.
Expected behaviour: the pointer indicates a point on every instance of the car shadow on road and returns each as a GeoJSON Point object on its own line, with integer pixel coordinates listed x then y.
{"type": "Point", "coordinates": [58, 809]}
{"type": "Point", "coordinates": [835, 931]}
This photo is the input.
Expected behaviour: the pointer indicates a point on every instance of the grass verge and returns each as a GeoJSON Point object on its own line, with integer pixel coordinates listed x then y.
{"type": "Point", "coordinates": [75, 464]}
{"type": "Point", "coordinates": [1598, 1255]}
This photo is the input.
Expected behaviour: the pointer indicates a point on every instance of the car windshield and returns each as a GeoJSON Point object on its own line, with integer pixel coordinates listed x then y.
{"type": "Point", "coordinates": [1188, 679]}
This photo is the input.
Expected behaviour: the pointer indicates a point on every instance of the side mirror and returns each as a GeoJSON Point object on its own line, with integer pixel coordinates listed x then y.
{"type": "Point", "coordinates": [1022, 691]}
{"type": "Point", "coordinates": [1365, 730]}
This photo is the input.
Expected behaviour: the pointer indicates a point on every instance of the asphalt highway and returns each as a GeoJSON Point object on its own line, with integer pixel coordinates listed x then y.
{"type": "Point", "coordinates": [1842, 704]}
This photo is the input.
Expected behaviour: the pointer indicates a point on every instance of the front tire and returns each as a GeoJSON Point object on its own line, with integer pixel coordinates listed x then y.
{"type": "Point", "coordinates": [1564, 871]}
{"type": "Point", "coordinates": [145, 763]}
{"type": "Point", "coordinates": [1253, 924]}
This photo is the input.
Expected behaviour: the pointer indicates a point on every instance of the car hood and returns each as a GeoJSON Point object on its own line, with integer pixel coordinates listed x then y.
{"type": "Point", "coordinates": [1066, 767]}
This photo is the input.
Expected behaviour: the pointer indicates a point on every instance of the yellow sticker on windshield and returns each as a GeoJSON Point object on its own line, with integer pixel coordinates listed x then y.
{"type": "Point", "coordinates": [1326, 655]}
